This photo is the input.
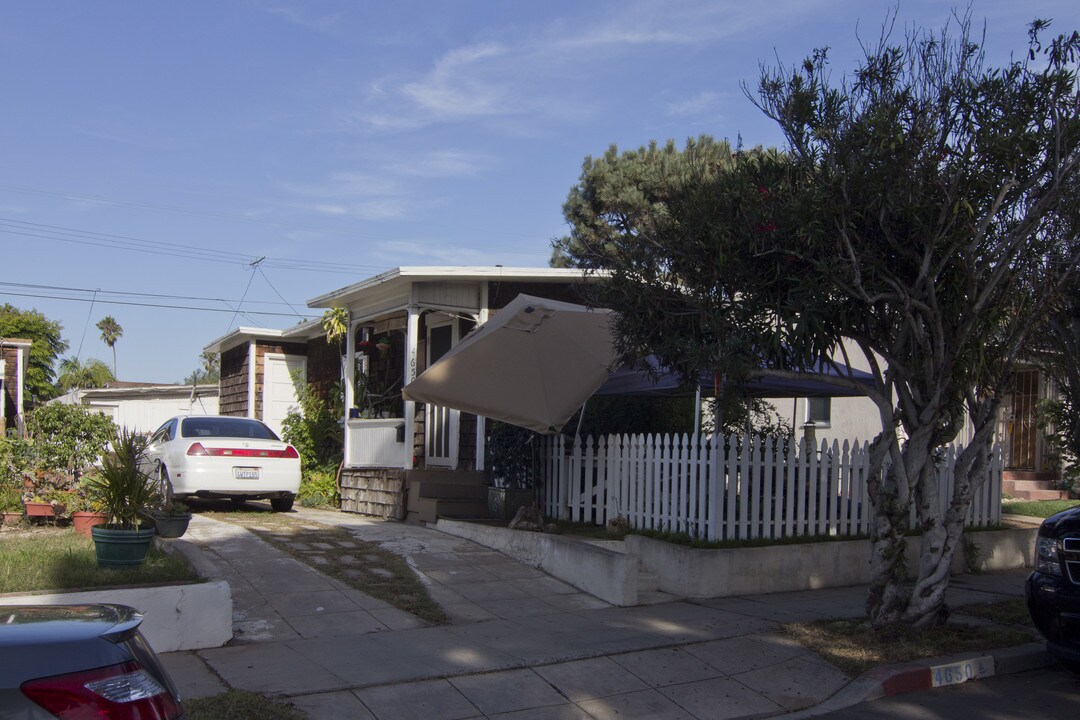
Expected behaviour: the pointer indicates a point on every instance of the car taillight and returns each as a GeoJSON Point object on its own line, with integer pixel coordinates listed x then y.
{"type": "Point", "coordinates": [118, 692]}
{"type": "Point", "coordinates": [201, 451]}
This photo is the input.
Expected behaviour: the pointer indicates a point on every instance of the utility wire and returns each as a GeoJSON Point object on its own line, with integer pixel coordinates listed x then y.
{"type": "Point", "coordinates": [89, 314]}
{"type": "Point", "coordinates": [259, 268]}
{"type": "Point", "coordinates": [246, 313]}
{"type": "Point", "coordinates": [32, 286]}
{"type": "Point", "coordinates": [254, 267]}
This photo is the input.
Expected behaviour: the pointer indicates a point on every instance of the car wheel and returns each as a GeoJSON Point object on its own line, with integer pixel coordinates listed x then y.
{"type": "Point", "coordinates": [237, 501]}
{"type": "Point", "coordinates": [164, 483]}
{"type": "Point", "coordinates": [283, 504]}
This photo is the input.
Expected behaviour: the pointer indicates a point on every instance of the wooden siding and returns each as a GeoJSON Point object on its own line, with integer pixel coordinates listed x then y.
{"type": "Point", "coordinates": [323, 368]}
{"type": "Point", "coordinates": [11, 385]}
{"type": "Point", "coordinates": [374, 491]}
{"type": "Point", "coordinates": [233, 385]}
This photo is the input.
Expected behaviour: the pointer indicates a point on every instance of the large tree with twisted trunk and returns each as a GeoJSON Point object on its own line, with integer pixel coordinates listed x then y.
{"type": "Point", "coordinates": [924, 211]}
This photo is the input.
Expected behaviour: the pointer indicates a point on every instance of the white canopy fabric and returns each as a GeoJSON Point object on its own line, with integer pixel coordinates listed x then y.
{"type": "Point", "coordinates": [533, 364]}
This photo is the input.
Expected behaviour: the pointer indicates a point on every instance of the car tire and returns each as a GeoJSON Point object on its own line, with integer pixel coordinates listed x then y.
{"type": "Point", "coordinates": [282, 504]}
{"type": "Point", "coordinates": [165, 483]}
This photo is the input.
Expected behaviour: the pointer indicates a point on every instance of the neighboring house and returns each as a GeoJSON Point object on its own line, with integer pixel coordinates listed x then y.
{"type": "Point", "coordinates": [396, 453]}
{"type": "Point", "coordinates": [143, 407]}
{"type": "Point", "coordinates": [258, 366]}
{"type": "Point", "coordinates": [14, 359]}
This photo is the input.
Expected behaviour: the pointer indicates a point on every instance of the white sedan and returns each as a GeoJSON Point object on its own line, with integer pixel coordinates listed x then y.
{"type": "Point", "coordinates": [222, 456]}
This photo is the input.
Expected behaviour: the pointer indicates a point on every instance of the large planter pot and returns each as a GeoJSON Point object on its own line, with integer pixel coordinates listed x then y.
{"type": "Point", "coordinates": [171, 526]}
{"type": "Point", "coordinates": [39, 509]}
{"type": "Point", "coordinates": [121, 548]}
{"type": "Point", "coordinates": [503, 503]}
{"type": "Point", "coordinates": [83, 520]}
{"type": "Point", "coordinates": [12, 517]}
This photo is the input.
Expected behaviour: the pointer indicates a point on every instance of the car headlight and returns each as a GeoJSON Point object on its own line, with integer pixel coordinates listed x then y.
{"type": "Point", "coordinates": [1046, 556]}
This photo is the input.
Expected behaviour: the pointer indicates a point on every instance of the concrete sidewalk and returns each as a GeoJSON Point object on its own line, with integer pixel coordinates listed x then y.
{"type": "Point", "coordinates": [522, 644]}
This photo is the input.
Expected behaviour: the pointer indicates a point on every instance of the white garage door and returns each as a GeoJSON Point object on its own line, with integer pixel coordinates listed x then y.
{"type": "Point", "coordinates": [279, 394]}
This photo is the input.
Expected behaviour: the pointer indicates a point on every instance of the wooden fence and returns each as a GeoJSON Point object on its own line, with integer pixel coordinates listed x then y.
{"type": "Point", "coordinates": [723, 488]}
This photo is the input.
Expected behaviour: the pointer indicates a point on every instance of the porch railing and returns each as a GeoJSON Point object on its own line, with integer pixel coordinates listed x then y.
{"type": "Point", "coordinates": [723, 488]}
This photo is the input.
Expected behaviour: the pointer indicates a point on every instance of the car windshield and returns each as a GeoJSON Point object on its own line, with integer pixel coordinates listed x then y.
{"type": "Point", "coordinates": [226, 427]}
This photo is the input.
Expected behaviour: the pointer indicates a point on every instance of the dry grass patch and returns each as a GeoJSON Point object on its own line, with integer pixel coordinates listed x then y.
{"type": "Point", "coordinates": [239, 705]}
{"type": "Point", "coordinates": [334, 552]}
{"type": "Point", "coordinates": [851, 645]}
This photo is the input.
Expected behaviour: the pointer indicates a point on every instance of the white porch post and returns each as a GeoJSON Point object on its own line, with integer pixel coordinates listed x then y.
{"type": "Point", "coordinates": [251, 379]}
{"type": "Point", "coordinates": [350, 386]}
{"type": "Point", "coordinates": [412, 338]}
{"type": "Point", "coordinates": [481, 421]}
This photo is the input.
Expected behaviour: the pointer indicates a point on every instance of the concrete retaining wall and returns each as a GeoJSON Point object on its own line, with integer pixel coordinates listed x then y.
{"type": "Point", "coordinates": [612, 574]}
{"type": "Point", "coordinates": [695, 573]}
{"type": "Point", "coordinates": [176, 617]}
{"type": "Point", "coordinates": [605, 573]}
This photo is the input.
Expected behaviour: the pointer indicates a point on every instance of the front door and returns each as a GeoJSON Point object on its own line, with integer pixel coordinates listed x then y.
{"type": "Point", "coordinates": [1022, 414]}
{"type": "Point", "coordinates": [440, 423]}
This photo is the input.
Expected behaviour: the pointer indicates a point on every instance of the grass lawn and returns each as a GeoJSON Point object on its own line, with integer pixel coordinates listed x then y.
{"type": "Point", "coordinates": [238, 705]}
{"type": "Point", "coordinates": [852, 646]}
{"type": "Point", "coordinates": [1037, 508]}
{"type": "Point", "coordinates": [334, 552]}
{"type": "Point", "coordinates": [60, 559]}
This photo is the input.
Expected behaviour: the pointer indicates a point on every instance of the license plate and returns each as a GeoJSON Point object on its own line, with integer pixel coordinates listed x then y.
{"type": "Point", "coordinates": [245, 473]}
{"type": "Point", "coordinates": [960, 672]}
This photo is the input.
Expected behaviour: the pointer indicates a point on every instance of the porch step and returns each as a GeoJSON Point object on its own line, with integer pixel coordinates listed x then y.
{"type": "Point", "coordinates": [1031, 485]}
{"type": "Point", "coordinates": [445, 493]}
{"type": "Point", "coordinates": [1038, 475]}
{"type": "Point", "coordinates": [428, 510]}
{"type": "Point", "coordinates": [1041, 495]}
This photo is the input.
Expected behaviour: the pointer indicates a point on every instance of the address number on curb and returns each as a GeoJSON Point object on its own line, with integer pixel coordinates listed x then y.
{"type": "Point", "coordinates": [960, 672]}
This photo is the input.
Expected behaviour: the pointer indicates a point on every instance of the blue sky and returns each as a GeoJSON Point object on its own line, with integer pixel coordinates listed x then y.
{"type": "Point", "coordinates": [153, 151]}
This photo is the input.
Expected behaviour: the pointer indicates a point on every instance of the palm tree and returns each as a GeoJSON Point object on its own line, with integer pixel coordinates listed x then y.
{"type": "Point", "coordinates": [74, 374]}
{"type": "Point", "coordinates": [110, 333]}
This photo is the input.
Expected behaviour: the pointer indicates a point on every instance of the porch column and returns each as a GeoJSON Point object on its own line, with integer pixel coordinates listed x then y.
{"type": "Point", "coordinates": [350, 385]}
{"type": "Point", "coordinates": [412, 339]}
{"type": "Point", "coordinates": [481, 421]}
{"type": "Point", "coordinates": [251, 379]}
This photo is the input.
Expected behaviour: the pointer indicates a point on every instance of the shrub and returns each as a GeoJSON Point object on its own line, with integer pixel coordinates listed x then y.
{"type": "Point", "coordinates": [68, 437]}
{"type": "Point", "coordinates": [319, 489]}
{"type": "Point", "coordinates": [315, 431]}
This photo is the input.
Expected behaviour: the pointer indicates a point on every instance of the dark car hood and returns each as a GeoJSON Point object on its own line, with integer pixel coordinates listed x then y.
{"type": "Point", "coordinates": [1064, 523]}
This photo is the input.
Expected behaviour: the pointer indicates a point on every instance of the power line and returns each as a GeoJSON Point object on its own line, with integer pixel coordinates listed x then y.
{"type": "Point", "coordinates": [152, 305]}
{"type": "Point", "coordinates": [128, 293]}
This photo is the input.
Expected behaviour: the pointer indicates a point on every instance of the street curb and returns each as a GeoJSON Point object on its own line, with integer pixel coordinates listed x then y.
{"type": "Point", "coordinates": [915, 676]}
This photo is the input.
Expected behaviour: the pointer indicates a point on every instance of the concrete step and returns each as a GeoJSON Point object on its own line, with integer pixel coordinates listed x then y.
{"type": "Point", "coordinates": [1039, 475]}
{"type": "Point", "coordinates": [1039, 494]}
{"type": "Point", "coordinates": [464, 477]}
{"type": "Point", "coordinates": [428, 510]}
{"type": "Point", "coordinates": [1019, 485]}
{"type": "Point", "coordinates": [656, 597]}
{"type": "Point", "coordinates": [451, 491]}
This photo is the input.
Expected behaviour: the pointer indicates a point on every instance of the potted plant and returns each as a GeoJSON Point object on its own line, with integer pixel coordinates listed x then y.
{"type": "Point", "coordinates": [11, 505]}
{"type": "Point", "coordinates": [38, 506]}
{"type": "Point", "coordinates": [171, 517]}
{"type": "Point", "coordinates": [510, 460]}
{"type": "Point", "coordinates": [125, 493]}
{"type": "Point", "coordinates": [86, 512]}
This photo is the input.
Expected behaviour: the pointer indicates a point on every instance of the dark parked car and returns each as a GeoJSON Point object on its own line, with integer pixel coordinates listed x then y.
{"type": "Point", "coordinates": [1053, 590]}
{"type": "Point", "coordinates": [80, 661]}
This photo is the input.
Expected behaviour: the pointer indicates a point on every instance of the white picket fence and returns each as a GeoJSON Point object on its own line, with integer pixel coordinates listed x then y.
{"type": "Point", "coordinates": [723, 488]}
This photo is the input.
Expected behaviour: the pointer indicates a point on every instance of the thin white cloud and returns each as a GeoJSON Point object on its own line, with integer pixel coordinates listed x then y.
{"type": "Point", "coordinates": [440, 164]}
{"type": "Point", "coordinates": [700, 103]}
{"type": "Point", "coordinates": [352, 194]}
{"type": "Point", "coordinates": [398, 252]}
{"type": "Point", "coordinates": [526, 78]}
{"type": "Point", "coordinates": [301, 15]}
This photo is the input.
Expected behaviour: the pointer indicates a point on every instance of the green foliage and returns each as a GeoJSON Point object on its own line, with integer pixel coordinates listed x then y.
{"type": "Point", "coordinates": [315, 431]}
{"type": "Point", "coordinates": [110, 333]}
{"type": "Point", "coordinates": [511, 455]}
{"type": "Point", "coordinates": [10, 498]}
{"type": "Point", "coordinates": [91, 374]}
{"type": "Point", "coordinates": [68, 437]}
{"type": "Point", "coordinates": [16, 459]}
{"type": "Point", "coordinates": [209, 371]}
{"type": "Point", "coordinates": [47, 345]}
{"type": "Point", "coordinates": [123, 490]}
{"type": "Point", "coordinates": [319, 489]}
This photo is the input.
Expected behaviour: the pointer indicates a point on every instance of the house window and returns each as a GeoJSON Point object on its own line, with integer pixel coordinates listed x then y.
{"type": "Point", "coordinates": [819, 411]}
